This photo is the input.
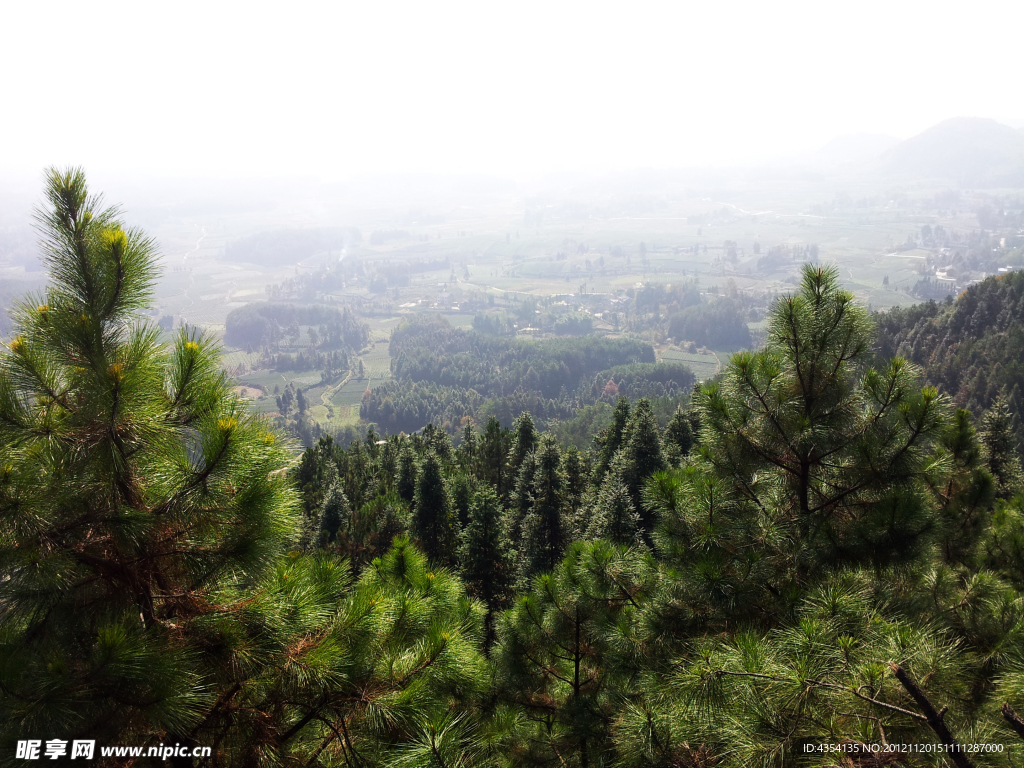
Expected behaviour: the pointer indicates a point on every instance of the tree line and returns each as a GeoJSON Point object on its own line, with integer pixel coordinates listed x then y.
{"type": "Point", "coordinates": [427, 349]}
{"type": "Point", "coordinates": [407, 406]}
{"type": "Point", "coordinates": [267, 324]}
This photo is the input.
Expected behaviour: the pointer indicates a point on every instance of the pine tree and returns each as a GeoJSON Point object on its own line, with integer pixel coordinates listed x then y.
{"type": "Point", "coordinates": [568, 654]}
{"type": "Point", "coordinates": [317, 667]}
{"type": "Point", "coordinates": [136, 489]}
{"type": "Point", "coordinates": [837, 447]}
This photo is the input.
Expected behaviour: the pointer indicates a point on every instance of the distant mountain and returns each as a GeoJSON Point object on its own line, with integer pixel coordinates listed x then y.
{"type": "Point", "coordinates": [855, 148]}
{"type": "Point", "coordinates": [967, 150]}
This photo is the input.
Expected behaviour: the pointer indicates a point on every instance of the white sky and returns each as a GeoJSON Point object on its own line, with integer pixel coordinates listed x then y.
{"type": "Point", "coordinates": [515, 88]}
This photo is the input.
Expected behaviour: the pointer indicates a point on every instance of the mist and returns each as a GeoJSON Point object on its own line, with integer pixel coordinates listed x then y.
{"type": "Point", "coordinates": [514, 89]}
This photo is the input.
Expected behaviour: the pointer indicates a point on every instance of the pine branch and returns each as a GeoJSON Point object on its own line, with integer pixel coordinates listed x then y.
{"type": "Point", "coordinates": [1013, 719]}
{"type": "Point", "coordinates": [933, 717]}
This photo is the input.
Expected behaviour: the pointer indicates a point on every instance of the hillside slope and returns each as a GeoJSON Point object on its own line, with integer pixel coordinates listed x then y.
{"type": "Point", "coordinates": [971, 348]}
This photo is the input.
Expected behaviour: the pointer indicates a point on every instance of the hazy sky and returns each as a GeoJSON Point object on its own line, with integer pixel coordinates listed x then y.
{"type": "Point", "coordinates": [509, 87]}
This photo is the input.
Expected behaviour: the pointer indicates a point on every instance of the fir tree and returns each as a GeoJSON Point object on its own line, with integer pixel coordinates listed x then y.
{"type": "Point", "coordinates": [493, 455]}
{"type": "Point", "coordinates": [544, 533]}
{"type": "Point", "coordinates": [486, 560]}
{"type": "Point", "coordinates": [461, 493]}
{"type": "Point", "coordinates": [467, 452]}
{"type": "Point", "coordinates": [433, 521]}
{"type": "Point", "coordinates": [641, 457]}
{"type": "Point", "coordinates": [575, 471]}
{"type": "Point", "coordinates": [998, 440]}
{"type": "Point", "coordinates": [615, 518]}
{"type": "Point", "coordinates": [406, 482]}
{"type": "Point", "coordinates": [678, 437]}
{"type": "Point", "coordinates": [612, 438]}
{"type": "Point", "coordinates": [334, 515]}
{"type": "Point", "coordinates": [524, 442]}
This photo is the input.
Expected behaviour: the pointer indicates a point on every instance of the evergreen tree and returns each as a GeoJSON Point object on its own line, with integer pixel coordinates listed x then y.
{"type": "Point", "coordinates": [678, 437]}
{"type": "Point", "coordinates": [568, 654]}
{"type": "Point", "coordinates": [467, 452]}
{"type": "Point", "coordinates": [335, 514]}
{"type": "Point", "coordinates": [641, 457]}
{"type": "Point", "coordinates": [999, 444]}
{"type": "Point", "coordinates": [520, 506]}
{"type": "Point", "coordinates": [316, 473]}
{"type": "Point", "coordinates": [493, 455]}
{"type": "Point", "coordinates": [136, 489]}
{"type": "Point", "coordinates": [433, 521]}
{"type": "Point", "coordinates": [318, 668]}
{"type": "Point", "coordinates": [544, 530]}
{"type": "Point", "coordinates": [575, 471]}
{"type": "Point", "coordinates": [524, 442]}
{"type": "Point", "coordinates": [615, 518]}
{"type": "Point", "coordinates": [486, 560]}
{"type": "Point", "coordinates": [612, 438]}
{"type": "Point", "coordinates": [406, 482]}
{"type": "Point", "coordinates": [836, 446]}
{"type": "Point", "coordinates": [461, 493]}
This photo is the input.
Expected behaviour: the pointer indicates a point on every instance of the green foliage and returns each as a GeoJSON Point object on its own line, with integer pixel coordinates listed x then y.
{"type": "Point", "coordinates": [567, 651]}
{"type": "Point", "coordinates": [135, 486]}
{"type": "Point", "coordinates": [834, 444]}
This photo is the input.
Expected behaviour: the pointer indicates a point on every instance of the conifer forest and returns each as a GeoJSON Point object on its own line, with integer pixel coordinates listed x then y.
{"type": "Point", "coordinates": [554, 552]}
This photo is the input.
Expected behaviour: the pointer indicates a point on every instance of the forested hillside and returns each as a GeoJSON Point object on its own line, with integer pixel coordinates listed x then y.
{"type": "Point", "coordinates": [971, 348]}
{"type": "Point", "coordinates": [818, 561]}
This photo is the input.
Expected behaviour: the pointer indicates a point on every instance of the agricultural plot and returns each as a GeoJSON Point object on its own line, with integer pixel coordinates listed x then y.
{"type": "Point", "coordinates": [703, 364]}
{"type": "Point", "coordinates": [377, 363]}
{"type": "Point", "coordinates": [351, 394]}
